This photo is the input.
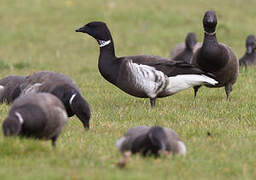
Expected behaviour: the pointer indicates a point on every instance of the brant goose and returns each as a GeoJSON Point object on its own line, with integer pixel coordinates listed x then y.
{"type": "Point", "coordinates": [184, 51]}
{"type": "Point", "coordinates": [151, 141]}
{"type": "Point", "coordinates": [10, 88]}
{"type": "Point", "coordinates": [64, 88]}
{"type": "Point", "coordinates": [39, 115]}
{"type": "Point", "coordinates": [249, 57]}
{"type": "Point", "coordinates": [216, 58]}
{"type": "Point", "coordinates": [143, 76]}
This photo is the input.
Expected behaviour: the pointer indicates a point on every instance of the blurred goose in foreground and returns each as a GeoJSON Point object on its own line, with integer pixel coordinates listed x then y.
{"type": "Point", "coordinates": [249, 57]}
{"type": "Point", "coordinates": [151, 141]}
{"type": "Point", "coordinates": [40, 115]}
{"type": "Point", "coordinates": [10, 88]}
{"type": "Point", "coordinates": [62, 87]}
{"type": "Point", "coordinates": [185, 51]}
{"type": "Point", "coordinates": [143, 76]}
{"type": "Point", "coordinates": [216, 58]}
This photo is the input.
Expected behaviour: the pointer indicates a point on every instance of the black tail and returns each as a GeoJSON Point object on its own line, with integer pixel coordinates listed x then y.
{"type": "Point", "coordinates": [182, 67]}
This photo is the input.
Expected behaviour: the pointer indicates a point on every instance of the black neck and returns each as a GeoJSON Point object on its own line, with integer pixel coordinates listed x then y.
{"type": "Point", "coordinates": [210, 41]}
{"type": "Point", "coordinates": [109, 49]}
{"type": "Point", "coordinates": [212, 55]}
{"type": "Point", "coordinates": [108, 63]}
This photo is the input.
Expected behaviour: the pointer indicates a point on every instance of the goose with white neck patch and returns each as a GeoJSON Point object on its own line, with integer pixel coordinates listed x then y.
{"type": "Point", "coordinates": [143, 76]}
{"type": "Point", "coordinates": [62, 87]}
{"type": "Point", "coordinates": [216, 58]}
{"type": "Point", "coordinates": [38, 115]}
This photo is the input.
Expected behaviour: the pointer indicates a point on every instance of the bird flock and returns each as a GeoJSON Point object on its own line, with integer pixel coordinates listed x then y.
{"type": "Point", "coordinates": [42, 102]}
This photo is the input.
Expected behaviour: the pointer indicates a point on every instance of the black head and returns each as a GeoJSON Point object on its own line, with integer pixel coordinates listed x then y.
{"type": "Point", "coordinates": [210, 21]}
{"type": "Point", "coordinates": [250, 44]}
{"type": "Point", "coordinates": [96, 29]}
{"type": "Point", "coordinates": [11, 126]}
{"type": "Point", "coordinates": [157, 138]}
{"type": "Point", "coordinates": [191, 40]}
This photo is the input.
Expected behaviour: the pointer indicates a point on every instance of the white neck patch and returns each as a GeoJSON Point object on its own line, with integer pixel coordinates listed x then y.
{"type": "Point", "coordinates": [19, 117]}
{"type": "Point", "coordinates": [211, 34]}
{"type": "Point", "coordinates": [104, 43]}
{"type": "Point", "coordinates": [72, 98]}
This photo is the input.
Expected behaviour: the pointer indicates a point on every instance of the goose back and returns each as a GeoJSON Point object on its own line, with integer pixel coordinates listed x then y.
{"type": "Point", "coordinates": [41, 116]}
{"type": "Point", "coordinates": [10, 88]}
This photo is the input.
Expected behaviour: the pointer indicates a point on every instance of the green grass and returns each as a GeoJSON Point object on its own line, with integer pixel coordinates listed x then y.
{"type": "Point", "coordinates": [38, 35]}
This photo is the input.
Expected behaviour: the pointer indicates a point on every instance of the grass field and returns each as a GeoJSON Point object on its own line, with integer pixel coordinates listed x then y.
{"type": "Point", "coordinates": [38, 35]}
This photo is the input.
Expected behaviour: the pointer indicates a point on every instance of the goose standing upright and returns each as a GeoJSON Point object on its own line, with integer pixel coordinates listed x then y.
{"type": "Point", "coordinates": [216, 58]}
{"type": "Point", "coordinates": [249, 58]}
{"type": "Point", "coordinates": [185, 51]}
{"type": "Point", "coordinates": [143, 76]}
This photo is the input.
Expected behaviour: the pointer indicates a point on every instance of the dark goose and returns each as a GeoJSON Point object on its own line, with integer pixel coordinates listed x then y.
{"type": "Point", "coordinates": [10, 88]}
{"type": "Point", "coordinates": [249, 58]}
{"type": "Point", "coordinates": [143, 76]}
{"type": "Point", "coordinates": [185, 51]}
{"type": "Point", "coordinates": [39, 115]}
{"type": "Point", "coordinates": [64, 88]}
{"type": "Point", "coordinates": [216, 58]}
{"type": "Point", "coordinates": [151, 141]}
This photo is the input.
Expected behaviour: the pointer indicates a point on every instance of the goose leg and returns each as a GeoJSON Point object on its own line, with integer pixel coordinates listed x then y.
{"type": "Point", "coordinates": [228, 89]}
{"type": "Point", "coordinates": [152, 102]}
{"type": "Point", "coordinates": [195, 90]}
{"type": "Point", "coordinates": [54, 139]}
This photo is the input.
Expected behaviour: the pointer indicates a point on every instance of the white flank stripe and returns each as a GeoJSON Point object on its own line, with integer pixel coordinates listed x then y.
{"type": "Point", "coordinates": [119, 143]}
{"type": "Point", "coordinates": [181, 82]}
{"type": "Point", "coordinates": [147, 78]}
{"type": "Point", "coordinates": [182, 148]}
{"type": "Point", "coordinates": [32, 89]}
{"type": "Point", "coordinates": [104, 43]}
{"type": "Point", "coordinates": [19, 117]}
{"type": "Point", "coordinates": [72, 98]}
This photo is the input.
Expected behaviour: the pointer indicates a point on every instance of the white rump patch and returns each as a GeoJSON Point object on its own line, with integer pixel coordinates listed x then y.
{"type": "Point", "coordinates": [181, 82]}
{"type": "Point", "coordinates": [182, 148]}
{"type": "Point", "coordinates": [19, 117]}
{"type": "Point", "coordinates": [119, 143]}
{"type": "Point", "coordinates": [104, 43]}
{"type": "Point", "coordinates": [72, 98]}
{"type": "Point", "coordinates": [147, 78]}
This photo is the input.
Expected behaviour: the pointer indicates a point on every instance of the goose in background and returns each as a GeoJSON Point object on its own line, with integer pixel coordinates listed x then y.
{"type": "Point", "coordinates": [216, 58]}
{"type": "Point", "coordinates": [38, 115]}
{"type": "Point", "coordinates": [63, 88]}
{"type": "Point", "coordinates": [249, 58]}
{"type": "Point", "coordinates": [151, 141]}
{"type": "Point", "coordinates": [184, 51]}
{"type": "Point", "coordinates": [10, 88]}
{"type": "Point", "coordinates": [143, 76]}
